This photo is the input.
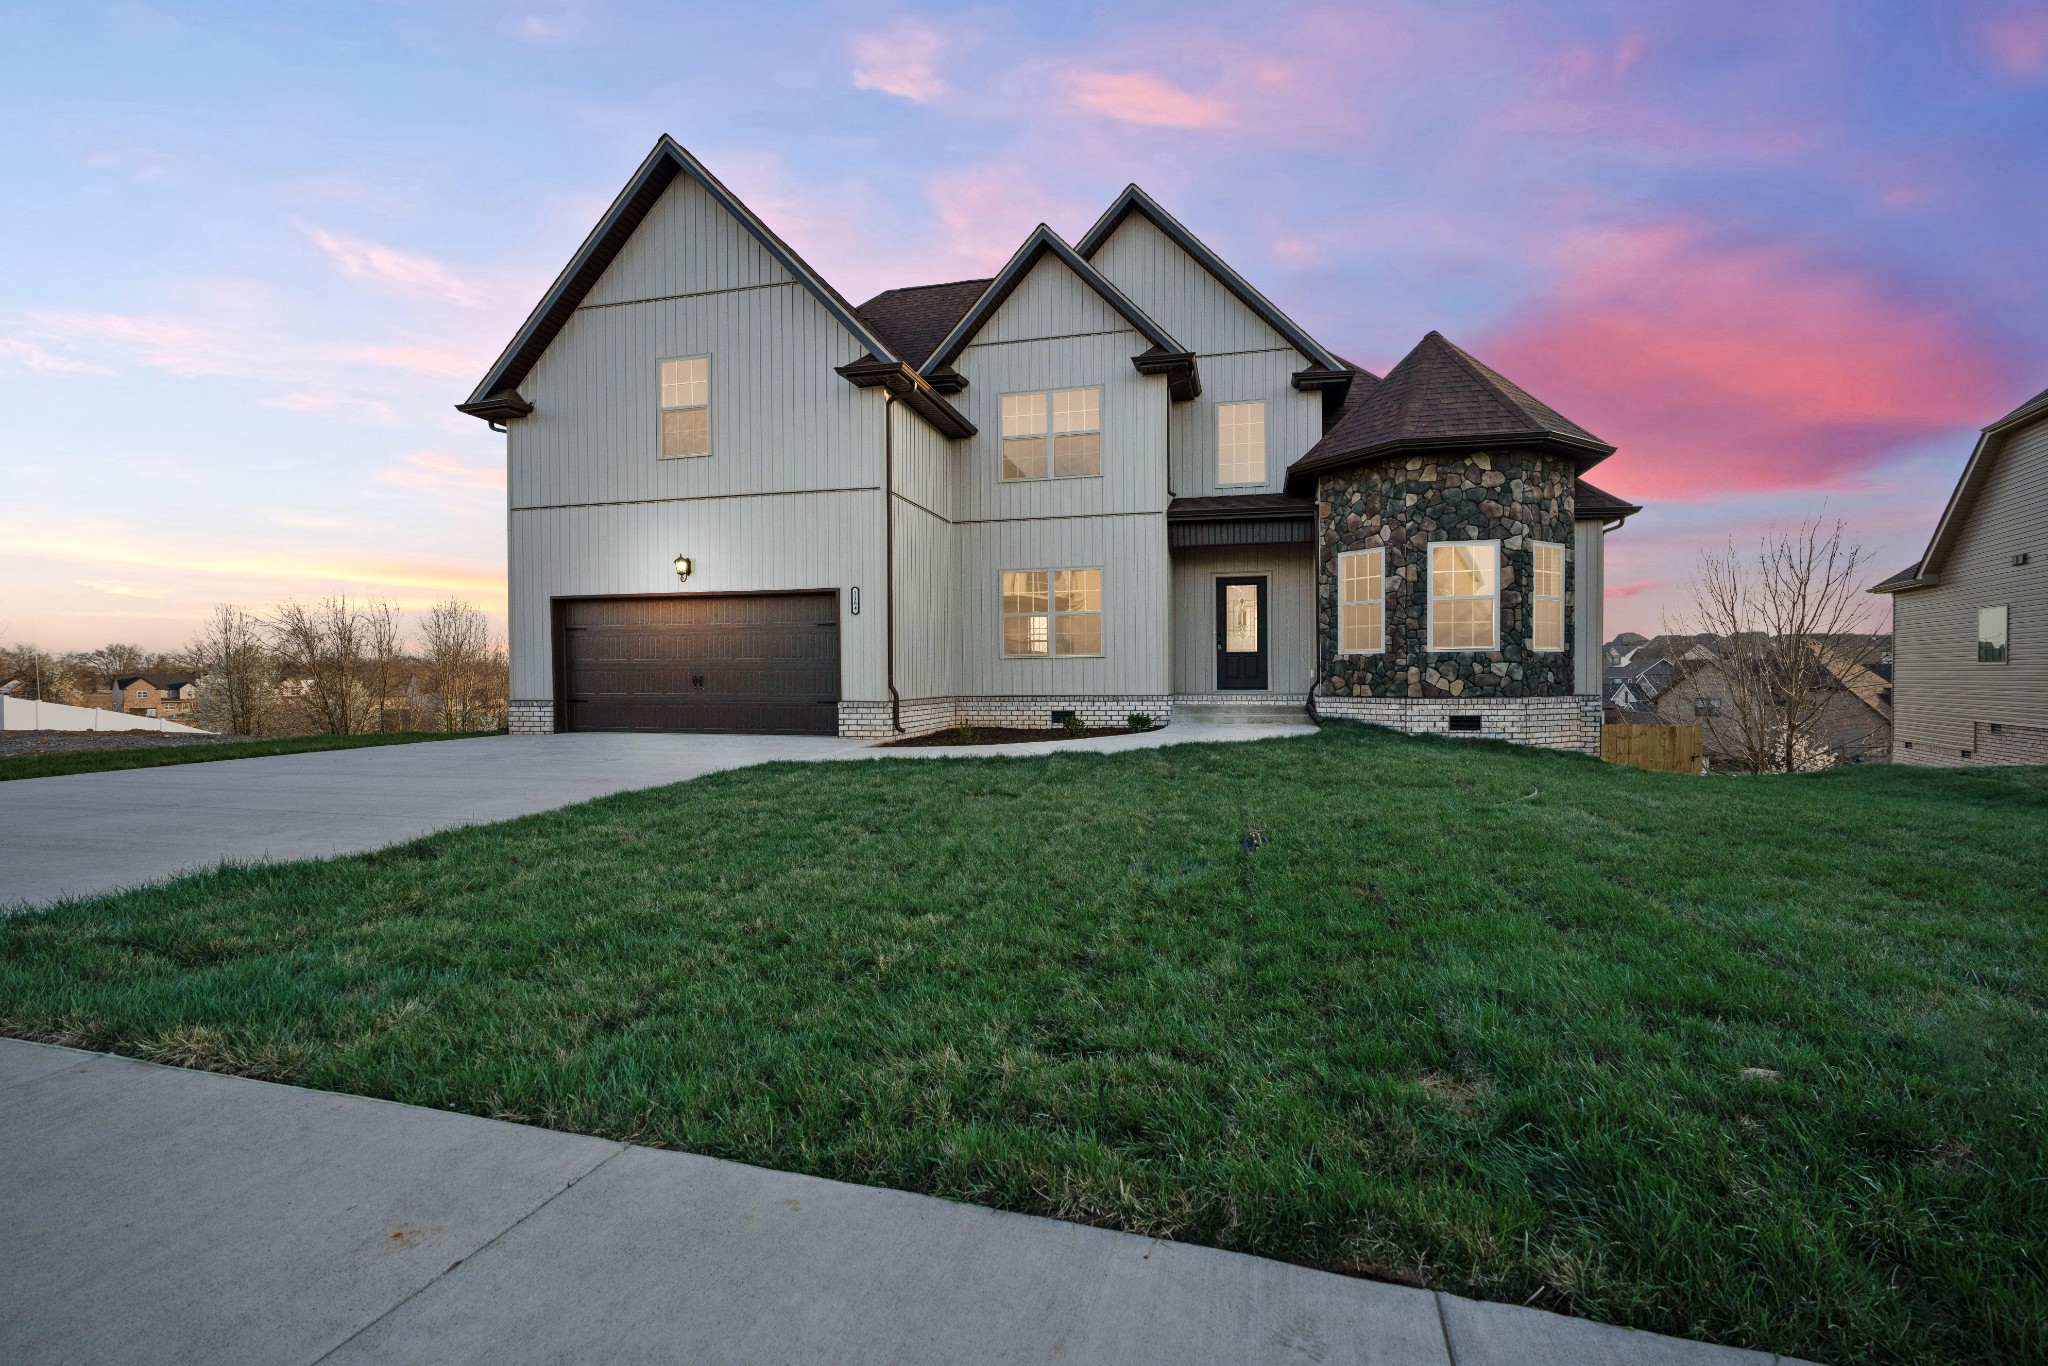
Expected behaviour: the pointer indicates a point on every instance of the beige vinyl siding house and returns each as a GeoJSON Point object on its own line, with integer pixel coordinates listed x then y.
{"type": "Point", "coordinates": [738, 502]}
{"type": "Point", "coordinates": [1951, 704]}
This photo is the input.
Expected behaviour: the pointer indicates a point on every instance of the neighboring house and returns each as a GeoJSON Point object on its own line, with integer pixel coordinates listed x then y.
{"type": "Point", "coordinates": [1641, 670]}
{"type": "Point", "coordinates": [159, 694]}
{"type": "Point", "coordinates": [1970, 619]}
{"type": "Point", "coordinates": [1113, 478]}
{"type": "Point", "coordinates": [1854, 724]}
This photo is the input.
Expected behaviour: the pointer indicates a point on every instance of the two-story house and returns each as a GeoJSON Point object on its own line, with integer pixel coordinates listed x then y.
{"type": "Point", "coordinates": [1114, 478]}
{"type": "Point", "coordinates": [1970, 617]}
{"type": "Point", "coordinates": [160, 694]}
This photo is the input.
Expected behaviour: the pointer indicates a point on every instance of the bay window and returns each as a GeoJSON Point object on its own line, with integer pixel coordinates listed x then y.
{"type": "Point", "coordinates": [1464, 595]}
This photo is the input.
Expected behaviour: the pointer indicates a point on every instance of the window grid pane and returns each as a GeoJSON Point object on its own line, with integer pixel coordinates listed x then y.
{"type": "Point", "coordinates": [1462, 602]}
{"type": "Point", "coordinates": [1361, 602]}
{"type": "Point", "coordinates": [1023, 414]}
{"type": "Point", "coordinates": [684, 432]}
{"type": "Point", "coordinates": [1547, 628]}
{"type": "Point", "coordinates": [1077, 410]}
{"type": "Point", "coordinates": [1241, 443]}
{"type": "Point", "coordinates": [1052, 612]}
{"type": "Point", "coordinates": [1025, 457]}
{"type": "Point", "coordinates": [686, 383]}
{"type": "Point", "coordinates": [1076, 454]}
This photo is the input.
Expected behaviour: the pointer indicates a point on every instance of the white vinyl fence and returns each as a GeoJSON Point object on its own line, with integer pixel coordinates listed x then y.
{"type": "Point", "coordinates": [19, 714]}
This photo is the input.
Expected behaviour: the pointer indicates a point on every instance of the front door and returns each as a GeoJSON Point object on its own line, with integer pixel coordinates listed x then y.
{"type": "Point", "coordinates": [1241, 635]}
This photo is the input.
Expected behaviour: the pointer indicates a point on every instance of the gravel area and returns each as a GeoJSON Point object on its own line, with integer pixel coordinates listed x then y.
{"type": "Point", "coordinates": [17, 742]}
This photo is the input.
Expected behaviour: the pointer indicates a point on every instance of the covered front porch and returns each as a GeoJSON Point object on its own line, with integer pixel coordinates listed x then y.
{"type": "Point", "coordinates": [1244, 587]}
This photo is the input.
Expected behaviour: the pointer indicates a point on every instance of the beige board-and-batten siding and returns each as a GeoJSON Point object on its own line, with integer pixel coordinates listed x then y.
{"type": "Point", "coordinates": [790, 497]}
{"type": "Point", "coordinates": [1055, 332]}
{"type": "Point", "coordinates": [1943, 700]}
{"type": "Point", "coordinates": [1589, 579]}
{"type": "Point", "coordinates": [1242, 358]}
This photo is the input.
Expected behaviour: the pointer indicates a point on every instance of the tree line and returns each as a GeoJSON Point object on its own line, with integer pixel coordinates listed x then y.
{"type": "Point", "coordinates": [335, 666]}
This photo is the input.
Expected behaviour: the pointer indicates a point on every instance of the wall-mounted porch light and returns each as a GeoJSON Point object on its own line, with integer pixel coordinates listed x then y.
{"type": "Point", "coordinates": [683, 567]}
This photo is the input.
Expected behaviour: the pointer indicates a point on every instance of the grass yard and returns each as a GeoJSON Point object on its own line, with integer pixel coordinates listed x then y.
{"type": "Point", "coordinates": [1762, 1061]}
{"type": "Point", "coordinates": [147, 755]}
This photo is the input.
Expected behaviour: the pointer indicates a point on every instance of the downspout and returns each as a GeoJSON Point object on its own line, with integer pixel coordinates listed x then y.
{"type": "Point", "coordinates": [889, 556]}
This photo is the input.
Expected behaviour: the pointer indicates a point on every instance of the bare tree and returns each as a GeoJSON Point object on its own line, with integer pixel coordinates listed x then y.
{"type": "Point", "coordinates": [113, 661]}
{"type": "Point", "coordinates": [384, 657]}
{"type": "Point", "coordinates": [461, 665]}
{"type": "Point", "coordinates": [319, 652]}
{"type": "Point", "coordinates": [1791, 623]}
{"type": "Point", "coordinates": [237, 685]}
{"type": "Point", "coordinates": [43, 676]}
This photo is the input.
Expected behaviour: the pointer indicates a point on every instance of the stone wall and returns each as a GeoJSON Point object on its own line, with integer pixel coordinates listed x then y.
{"type": "Point", "coordinates": [1568, 723]}
{"type": "Point", "coordinates": [1514, 497]}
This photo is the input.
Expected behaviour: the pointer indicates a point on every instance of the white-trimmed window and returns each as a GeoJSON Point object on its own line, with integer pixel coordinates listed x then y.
{"type": "Point", "coordinates": [685, 407]}
{"type": "Point", "coordinates": [1052, 434]}
{"type": "Point", "coordinates": [1991, 629]}
{"type": "Point", "coordinates": [1464, 595]}
{"type": "Point", "coordinates": [1052, 612]}
{"type": "Point", "coordinates": [1361, 602]}
{"type": "Point", "coordinates": [1546, 631]}
{"type": "Point", "coordinates": [1240, 444]}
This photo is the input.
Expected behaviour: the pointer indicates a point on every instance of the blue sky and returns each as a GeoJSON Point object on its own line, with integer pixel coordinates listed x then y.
{"type": "Point", "coordinates": [1786, 256]}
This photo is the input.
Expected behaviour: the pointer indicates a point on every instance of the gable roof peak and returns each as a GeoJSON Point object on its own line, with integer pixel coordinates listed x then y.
{"type": "Point", "coordinates": [1166, 355]}
{"type": "Point", "coordinates": [1134, 199]}
{"type": "Point", "coordinates": [667, 160]}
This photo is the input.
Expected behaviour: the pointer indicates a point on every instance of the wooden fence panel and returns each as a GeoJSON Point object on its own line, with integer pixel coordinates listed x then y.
{"type": "Point", "coordinates": [1663, 749]}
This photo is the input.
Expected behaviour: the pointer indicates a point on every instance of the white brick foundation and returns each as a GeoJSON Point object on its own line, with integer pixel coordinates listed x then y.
{"type": "Point", "coordinates": [1570, 723]}
{"type": "Point", "coordinates": [530, 717]}
{"type": "Point", "coordinates": [921, 716]}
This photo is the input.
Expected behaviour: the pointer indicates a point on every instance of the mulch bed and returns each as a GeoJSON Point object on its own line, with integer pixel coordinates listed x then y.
{"type": "Point", "coordinates": [16, 742]}
{"type": "Point", "coordinates": [1003, 735]}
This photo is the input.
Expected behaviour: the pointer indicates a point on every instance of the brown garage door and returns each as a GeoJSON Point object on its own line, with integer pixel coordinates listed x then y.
{"type": "Point", "coordinates": [764, 662]}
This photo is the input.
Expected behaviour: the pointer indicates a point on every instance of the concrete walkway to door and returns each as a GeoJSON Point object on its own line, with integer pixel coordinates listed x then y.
{"type": "Point", "coordinates": [165, 1216]}
{"type": "Point", "coordinates": [97, 832]}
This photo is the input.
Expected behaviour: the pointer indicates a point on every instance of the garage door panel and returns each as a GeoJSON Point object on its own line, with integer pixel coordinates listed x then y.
{"type": "Point", "coordinates": [753, 662]}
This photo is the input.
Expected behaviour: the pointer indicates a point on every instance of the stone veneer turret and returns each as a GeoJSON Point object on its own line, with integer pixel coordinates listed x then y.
{"type": "Point", "coordinates": [1405, 502]}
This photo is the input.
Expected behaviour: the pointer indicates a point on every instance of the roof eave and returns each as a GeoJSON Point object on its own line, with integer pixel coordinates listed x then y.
{"type": "Point", "coordinates": [1584, 454]}
{"type": "Point", "coordinates": [504, 406]}
{"type": "Point", "coordinates": [1183, 375]}
{"type": "Point", "coordinates": [904, 384]}
{"type": "Point", "coordinates": [1889, 587]}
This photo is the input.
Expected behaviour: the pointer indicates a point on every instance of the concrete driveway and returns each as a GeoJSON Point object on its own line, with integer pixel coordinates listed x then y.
{"type": "Point", "coordinates": [97, 832]}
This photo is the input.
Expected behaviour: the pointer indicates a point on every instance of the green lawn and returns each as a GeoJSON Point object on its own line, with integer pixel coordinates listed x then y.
{"type": "Point", "coordinates": [1759, 1060]}
{"type": "Point", "coordinates": [150, 756]}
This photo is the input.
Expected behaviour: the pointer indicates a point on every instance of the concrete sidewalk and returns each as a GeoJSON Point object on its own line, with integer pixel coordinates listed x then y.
{"type": "Point", "coordinates": [151, 1214]}
{"type": "Point", "coordinates": [87, 833]}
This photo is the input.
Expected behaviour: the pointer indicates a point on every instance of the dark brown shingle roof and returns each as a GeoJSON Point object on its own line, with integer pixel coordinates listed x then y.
{"type": "Point", "coordinates": [1440, 396]}
{"type": "Point", "coordinates": [915, 320]}
{"type": "Point", "coordinates": [1588, 501]}
{"type": "Point", "coordinates": [1909, 574]}
{"type": "Point", "coordinates": [1240, 505]}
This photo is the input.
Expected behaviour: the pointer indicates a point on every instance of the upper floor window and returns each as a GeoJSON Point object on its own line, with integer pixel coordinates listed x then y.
{"type": "Point", "coordinates": [686, 407]}
{"type": "Point", "coordinates": [1361, 602]}
{"type": "Point", "coordinates": [1464, 595]}
{"type": "Point", "coordinates": [1052, 434]}
{"type": "Point", "coordinates": [1052, 612]}
{"type": "Point", "coordinates": [1547, 629]}
{"type": "Point", "coordinates": [1240, 443]}
{"type": "Point", "coordinates": [1991, 622]}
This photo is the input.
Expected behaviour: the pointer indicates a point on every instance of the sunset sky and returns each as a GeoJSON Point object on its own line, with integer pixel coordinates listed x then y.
{"type": "Point", "coordinates": [1786, 256]}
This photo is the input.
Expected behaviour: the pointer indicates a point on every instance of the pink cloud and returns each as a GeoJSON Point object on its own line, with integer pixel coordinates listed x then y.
{"type": "Point", "coordinates": [2019, 45]}
{"type": "Point", "coordinates": [901, 61]}
{"type": "Point", "coordinates": [32, 357]}
{"type": "Point", "coordinates": [398, 272]}
{"type": "Point", "coordinates": [422, 359]}
{"type": "Point", "coordinates": [434, 473]}
{"type": "Point", "coordinates": [1143, 98]}
{"type": "Point", "coordinates": [1719, 369]}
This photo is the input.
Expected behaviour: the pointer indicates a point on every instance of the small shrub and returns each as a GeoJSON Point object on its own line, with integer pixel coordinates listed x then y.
{"type": "Point", "coordinates": [1074, 726]}
{"type": "Point", "coordinates": [1139, 720]}
{"type": "Point", "coordinates": [965, 730]}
